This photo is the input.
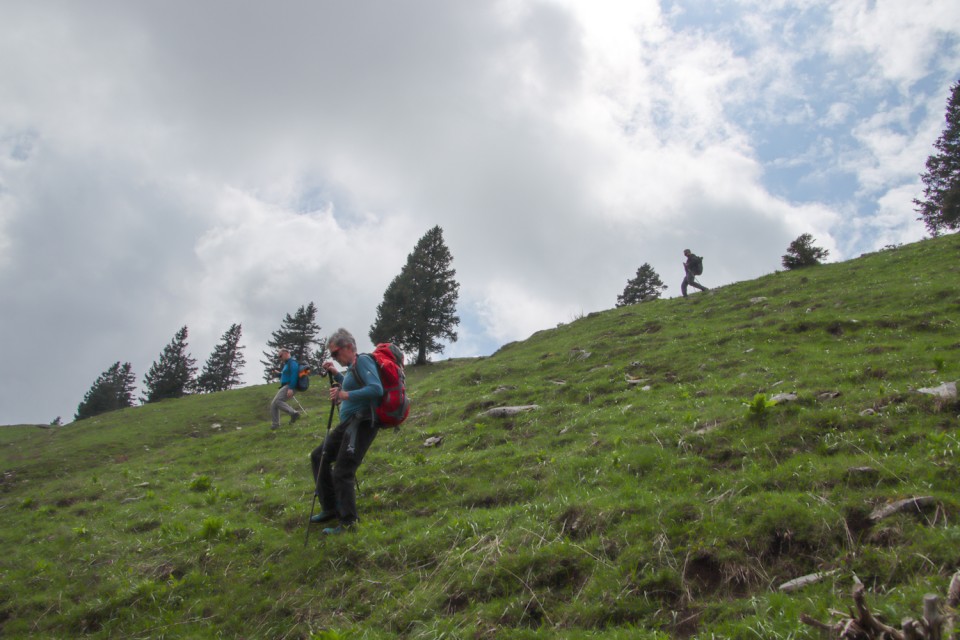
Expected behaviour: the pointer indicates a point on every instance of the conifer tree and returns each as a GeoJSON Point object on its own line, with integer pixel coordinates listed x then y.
{"type": "Point", "coordinates": [646, 285]}
{"type": "Point", "coordinates": [419, 306]}
{"type": "Point", "coordinates": [222, 370]}
{"type": "Point", "coordinates": [172, 375]}
{"type": "Point", "coordinates": [298, 333]}
{"type": "Point", "coordinates": [112, 390]}
{"type": "Point", "coordinates": [803, 253]}
{"type": "Point", "coordinates": [940, 208]}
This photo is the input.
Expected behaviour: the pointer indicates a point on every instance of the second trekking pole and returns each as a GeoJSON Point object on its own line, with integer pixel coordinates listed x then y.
{"type": "Point", "coordinates": [323, 454]}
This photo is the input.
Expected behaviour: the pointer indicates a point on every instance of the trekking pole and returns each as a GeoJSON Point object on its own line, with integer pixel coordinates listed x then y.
{"type": "Point", "coordinates": [323, 454]}
{"type": "Point", "coordinates": [302, 410]}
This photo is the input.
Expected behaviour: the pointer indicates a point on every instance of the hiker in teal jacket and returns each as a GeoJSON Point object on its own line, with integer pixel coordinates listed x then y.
{"type": "Point", "coordinates": [335, 462]}
{"type": "Point", "coordinates": [288, 382]}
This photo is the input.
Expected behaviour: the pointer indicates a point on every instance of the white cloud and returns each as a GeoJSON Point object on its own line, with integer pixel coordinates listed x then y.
{"type": "Point", "coordinates": [205, 164]}
{"type": "Point", "coordinates": [511, 312]}
{"type": "Point", "coordinates": [900, 37]}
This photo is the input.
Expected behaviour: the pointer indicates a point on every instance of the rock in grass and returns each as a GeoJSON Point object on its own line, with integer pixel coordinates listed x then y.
{"type": "Point", "coordinates": [946, 391]}
{"type": "Point", "coordinates": [506, 412]}
{"type": "Point", "coordinates": [784, 397]}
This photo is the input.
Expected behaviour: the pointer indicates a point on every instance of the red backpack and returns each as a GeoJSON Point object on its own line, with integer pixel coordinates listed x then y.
{"type": "Point", "coordinates": [394, 406]}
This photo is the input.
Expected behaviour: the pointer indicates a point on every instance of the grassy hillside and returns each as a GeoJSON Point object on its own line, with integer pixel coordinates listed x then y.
{"type": "Point", "coordinates": [652, 493]}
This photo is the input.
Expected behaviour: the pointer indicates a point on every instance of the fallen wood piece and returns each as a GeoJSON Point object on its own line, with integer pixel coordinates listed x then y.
{"type": "Point", "coordinates": [953, 593]}
{"type": "Point", "coordinates": [916, 504]}
{"type": "Point", "coordinates": [803, 581]}
{"type": "Point", "coordinates": [931, 616]}
{"type": "Point", "coordinates": [506, 412]}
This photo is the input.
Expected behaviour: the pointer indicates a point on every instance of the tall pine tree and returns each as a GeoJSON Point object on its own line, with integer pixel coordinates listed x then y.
{"type": "Point", "coordinates": [419, 307]}
{"type": "Point", "coordinates": [940, 208]}
{"type": "Point", "coordinates": [112, 390]}
{"type": "Point", "coordinates": [172, 375]}
{"type": "Point", "coordinates": [299, 333]}
{"type": "Point", "coordinates": [222, 370]}
{"type": "Point", "coordinates": [646, 285]}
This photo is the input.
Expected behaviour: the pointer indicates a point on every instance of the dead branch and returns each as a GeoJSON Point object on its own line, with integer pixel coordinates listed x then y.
{"type": "Point", "coordinates": [911, 629]}
{"type": "Point", "coordinates": [866, 619]}
{"type": "Point", "coordinates": [810, 621]}
{"type": "Point", "coordinates": [910, 504]}
{"type": "Point", "coordinates": [860, 623]}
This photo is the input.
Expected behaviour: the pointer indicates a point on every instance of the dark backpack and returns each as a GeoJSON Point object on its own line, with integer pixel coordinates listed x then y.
{"type": "Point", "coordinates": [394, 406]}
{"type": "Point", "coordinates": [696, 265]}
{"type": "Point", "coordinates": [303, 378]}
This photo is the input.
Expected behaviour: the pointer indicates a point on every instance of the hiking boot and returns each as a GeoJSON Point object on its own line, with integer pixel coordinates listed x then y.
{"type": "Point", "coordinates": [335, 531]}
{"type": "Point", "coordinates": [323, 516]}
{"type": "Point", "coordinates": [274, 427]}
{"type": "Point", "coordinates": [294, 417]}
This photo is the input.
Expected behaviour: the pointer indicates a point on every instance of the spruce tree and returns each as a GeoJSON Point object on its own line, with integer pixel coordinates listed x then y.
{"type": "Point", "coordinates": [419, 306]}
{"type": "Point", "coordinates": [112, 390]}
{"type": "Point", "coordinates": [940, 208]}
{"type": "Point", "coordinates": [646, 285]}
{"type": "Point", "coordinates": [222, 370]}
{"type": "Point", "coordinates": [298, 333]}
{"type": "Point", "coordinates": [803, 253]}
{"type": "Point", "coordinates": [172, 375]}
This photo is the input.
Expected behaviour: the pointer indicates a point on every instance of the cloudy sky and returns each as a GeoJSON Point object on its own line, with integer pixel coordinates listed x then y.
{"type": "Point", "coordinates": [204, 163]}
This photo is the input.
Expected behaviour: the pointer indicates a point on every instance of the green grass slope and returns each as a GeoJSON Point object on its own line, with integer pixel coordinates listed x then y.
{"type": "Point", "coordinates": [651, 492]}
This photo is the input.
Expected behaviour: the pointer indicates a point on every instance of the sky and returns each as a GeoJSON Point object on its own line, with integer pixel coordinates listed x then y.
{"type": "Point", "coordinates": [207, 163]}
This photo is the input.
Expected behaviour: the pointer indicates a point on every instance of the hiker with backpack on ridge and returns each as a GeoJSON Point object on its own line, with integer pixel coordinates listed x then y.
{"type": "Point", "coordinates": [288, 384]}
{"type": "Point", "coordinates": [692, 268]}
{"type": "Point", "coordinates": [335, 462]}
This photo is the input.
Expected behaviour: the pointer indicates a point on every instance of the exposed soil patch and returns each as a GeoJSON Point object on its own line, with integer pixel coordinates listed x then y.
{"type": "Point", "coordinates": [703, 574]}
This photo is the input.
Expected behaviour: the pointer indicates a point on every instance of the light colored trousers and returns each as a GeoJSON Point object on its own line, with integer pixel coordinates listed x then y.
{"type": "Point", "coordinates": [280, 404]}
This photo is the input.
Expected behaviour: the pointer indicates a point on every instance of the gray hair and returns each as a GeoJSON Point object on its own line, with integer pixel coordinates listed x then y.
{"type": "Point", "coordinates": [341, 338]}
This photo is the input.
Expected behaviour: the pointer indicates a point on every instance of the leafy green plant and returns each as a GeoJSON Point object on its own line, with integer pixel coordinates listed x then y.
{"type": "Point", "coordinates": [759, 407]}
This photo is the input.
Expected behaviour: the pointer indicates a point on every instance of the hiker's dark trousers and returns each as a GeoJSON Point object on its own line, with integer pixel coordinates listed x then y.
{"type": "Point", "coordinates": [690, 279]}
{"type": "Point", "coordinates": [345, 447]}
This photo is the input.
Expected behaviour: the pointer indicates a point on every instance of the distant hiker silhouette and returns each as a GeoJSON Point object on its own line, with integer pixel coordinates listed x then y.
{"type": "Point", "coordinates": [692, 268]}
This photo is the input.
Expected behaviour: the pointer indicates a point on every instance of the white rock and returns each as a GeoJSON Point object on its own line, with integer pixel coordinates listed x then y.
{"type": "Point", "coordinates": [947, 391]}
{"type": "Point", "coordinates": [784, 397]}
